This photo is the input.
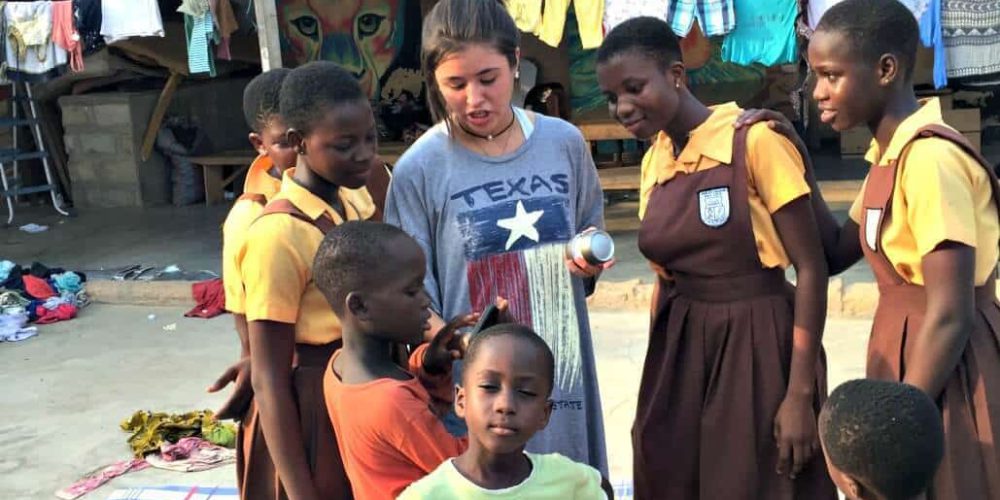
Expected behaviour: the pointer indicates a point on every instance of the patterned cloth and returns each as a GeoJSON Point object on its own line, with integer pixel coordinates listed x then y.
{"type": "Point", "coordinates": [971, 33]}
{"type": "Point", "coordinates": [716, 17]}
{"type": "Point", "coordinates": [619, 11]}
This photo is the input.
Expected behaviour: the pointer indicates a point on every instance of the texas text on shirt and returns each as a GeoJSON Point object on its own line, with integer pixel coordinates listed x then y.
{"type": "Point", "coordinates": [775, 172]}
{"type": "Point", "coordinates": [277, 257]}
{"type": "Point", "coordinates": [941, 194]}
{"type": "Point", "coordinates": [245, 210]}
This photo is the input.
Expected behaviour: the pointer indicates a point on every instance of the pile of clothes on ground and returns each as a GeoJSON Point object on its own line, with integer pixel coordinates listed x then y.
{"type": "Point", "coordinates": [185, 442]}
{"type": "Point", "coordinates": [39, 295]}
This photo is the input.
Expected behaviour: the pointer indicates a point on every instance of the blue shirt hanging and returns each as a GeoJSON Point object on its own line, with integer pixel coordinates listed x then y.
{"type": "Point", "coordinates": [764, 33]}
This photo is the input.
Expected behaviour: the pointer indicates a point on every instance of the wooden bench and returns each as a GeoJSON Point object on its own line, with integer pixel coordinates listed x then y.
{"type": "Point", "coordinates": [214, 166]}
{"type": "Point", "coordinates": [618, 177]}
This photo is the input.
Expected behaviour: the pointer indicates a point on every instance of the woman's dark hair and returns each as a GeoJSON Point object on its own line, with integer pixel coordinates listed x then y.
{"type": "Point", "coordinates": [450, 27]}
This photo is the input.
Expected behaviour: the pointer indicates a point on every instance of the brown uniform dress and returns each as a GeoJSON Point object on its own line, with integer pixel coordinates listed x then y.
{"type": "Point", "coordinates": [720, 350]}
{"type": "Point", "coordinates": [255, 470]}
{"type": "Point", "coordinates": [970, 402]}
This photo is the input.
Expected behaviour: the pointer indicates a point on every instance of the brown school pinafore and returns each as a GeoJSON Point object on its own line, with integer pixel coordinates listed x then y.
{"type": "Point", "coordinates": [970, 402]}
{"type": "Point", "coordinates": [256, 475]}
{"type": "Point", "coordinates": [720, 348]}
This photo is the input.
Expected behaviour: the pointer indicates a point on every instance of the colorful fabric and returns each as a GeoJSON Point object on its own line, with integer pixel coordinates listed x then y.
{"type": "Point", "coordinates": [38, 288]}
{"type": "Point", "coordinates": [67, 282]}
{"type": "Point", "coordinates": [210, 298]}
{"type": "Point", "coordinates": [764, 33]}
{"type": "Point", "coordinates": [176, 493]}
{"type": "Point", "coordinates": [716, 17]}
{"type": "Point", "coordinates": [971, 34]}
{"type": "Point", "coordinates": [149, 431]}
{"type": "Point", "coordinates": [201, 34]}
{"type": "Point", "coordinates": [191, 454]}
{"type": "Point", "coordinates": [94, 481]}
{"type": "Point", "coordinates": [62, 312]}
{"type": "Point", "coordinates": [64, 33]}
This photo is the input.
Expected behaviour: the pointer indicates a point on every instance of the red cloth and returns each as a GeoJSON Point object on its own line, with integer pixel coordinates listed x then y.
{"type": "Point", "coordinates": [62, 313]}
{"type": "Point", "coordinates": [38, 288]}
{"type": "Point", "coordinates": [210, 297]}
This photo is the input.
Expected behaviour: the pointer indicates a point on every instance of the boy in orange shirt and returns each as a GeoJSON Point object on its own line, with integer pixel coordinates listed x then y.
{"type": "Point", "coordinates": [274, 156]}
{"type": "Point", "coordinates": [372, 274]}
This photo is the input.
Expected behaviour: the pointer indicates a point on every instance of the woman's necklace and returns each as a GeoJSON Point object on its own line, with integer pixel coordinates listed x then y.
{"type": "Point", "coordinates": [491, 137]}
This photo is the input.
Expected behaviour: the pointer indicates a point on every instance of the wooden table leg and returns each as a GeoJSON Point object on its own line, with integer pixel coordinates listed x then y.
{"type": "Point", "coordinates": [214, 188]}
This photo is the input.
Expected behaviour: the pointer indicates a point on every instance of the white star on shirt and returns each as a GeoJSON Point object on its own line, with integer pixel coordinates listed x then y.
{"type": "Point", "coordinates": [522, 224]}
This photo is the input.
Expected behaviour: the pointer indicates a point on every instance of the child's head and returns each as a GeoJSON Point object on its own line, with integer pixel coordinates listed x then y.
{"type": "Point", "coordinates": [506, 383]}
{"type": "Point", "coordinates": [330, 123]}
{"type": "Point", "coordinates": [882, 440]}
{"type": "Point", "coordinates": [861, 52]}
{"type": "Point", "coordinates": [267, 128]}
{"type": "Point", "coordinates": [469, 55]}
{"type": "Point", "coordinates": [372, 274]}
{"type": "Point", "coordinates": [641, 72]}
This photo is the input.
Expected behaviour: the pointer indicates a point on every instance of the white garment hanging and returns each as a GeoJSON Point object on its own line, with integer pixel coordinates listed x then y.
{"type": "Point", "coordinates": [619, 11]}
{"type": "Point", "coordinates": [128, 18]}
{"type": "Point", "coordinates": [40, 54]}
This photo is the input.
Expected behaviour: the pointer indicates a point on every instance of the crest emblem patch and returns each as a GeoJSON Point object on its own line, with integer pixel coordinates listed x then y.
{"type": "Point", "coordinates": [873, 218]}
{"type": "Point", "coordinates": [713, 206]}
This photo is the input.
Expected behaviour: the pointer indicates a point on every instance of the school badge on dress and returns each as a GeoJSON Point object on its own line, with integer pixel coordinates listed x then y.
{"type": "Point", "coordinates": [713, 206]}
{"type": "Point", "coordinates": [873, 218]}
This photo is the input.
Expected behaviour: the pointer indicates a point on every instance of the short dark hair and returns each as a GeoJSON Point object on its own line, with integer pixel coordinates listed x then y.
{"type": "Point", "coordinates": [648, 36]}
{"type": "Point", "coordinates": [261, 98]}
{"type": "Point", "coordinates": [313, 89]}
{"type": "Point", "coordinates": [517, 331]}
{"type": "Point", "coordinates": [351, 256]}
{"type": "Point", "coordinates": [450, 27]}
{"type": "Point", "coordinates": [873, 28]}
{"type": "Point", "coordinates": [887, 435]}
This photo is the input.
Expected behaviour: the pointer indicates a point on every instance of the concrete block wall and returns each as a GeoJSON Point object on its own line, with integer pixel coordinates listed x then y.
{"type": "Point", "coordinates": [103, 136]}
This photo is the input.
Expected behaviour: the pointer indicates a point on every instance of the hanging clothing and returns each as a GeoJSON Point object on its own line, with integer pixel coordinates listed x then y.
{"type": "Point", "coordinates": [200, 33]}
{"type": "Point", "coordinates": [29, 47]}
{"type": "Point", "coordinates": [971, 35]}
{"type": "Point", "coordinates": [64, 33]}
{"type": "Point", "coordinates": [589, 18]}
{"type": "Point", "coordinates": [527, 14]}
{"type": "Point", "coordinates": [121, 19]}
{"type": "Point", "coordinates": [765, 33]}
{"type": "Point", "coordinates": [193, 8]}
{"type": "Point", "coordinates": [619, 11]}
{"type": "Point", "coordinates": [931, 36]}
{"type": "Point", "coordinates": [225, 25]}
{"type": "Point", "coordinates": [716, 17]}
{"type": "Point", "coordinates": [87, 14]}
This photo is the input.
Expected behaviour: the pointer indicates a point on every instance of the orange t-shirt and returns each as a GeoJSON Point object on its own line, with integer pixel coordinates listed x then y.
{"type": "Point", "coordinates": [387, 432]}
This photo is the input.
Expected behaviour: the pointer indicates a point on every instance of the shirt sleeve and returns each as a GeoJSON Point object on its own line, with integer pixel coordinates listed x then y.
{"type": "Point", "coordinates": [939, 194]}
{"type": "Point", "coordinates": [422, 437]}
{"type": "Point", "coordinates": [589, 195]}
{"type": "Point", "coordinates": [406, 208]}
{"type": "Point", "coordinates": [775, 168]}
{"type": "Point", "coordinates": [274, 270]}
{"type": "Point", "coordinates": [234, 232]}
{"type": "Point", "coordinates": [855, 212]}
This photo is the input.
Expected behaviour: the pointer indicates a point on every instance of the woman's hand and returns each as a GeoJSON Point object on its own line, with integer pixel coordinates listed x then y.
{"type": "Point", "coordinates": [584, 269]}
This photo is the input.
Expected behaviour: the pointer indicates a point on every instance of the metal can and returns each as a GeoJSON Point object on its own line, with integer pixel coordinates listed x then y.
{"type": "Point", "coordinates": [591, 248]}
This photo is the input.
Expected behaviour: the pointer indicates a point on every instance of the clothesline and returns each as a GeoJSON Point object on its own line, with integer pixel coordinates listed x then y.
{"type": "Point", "coordinates": [965, 36]}
{"type": "Point", "coordinates": [45, 36]}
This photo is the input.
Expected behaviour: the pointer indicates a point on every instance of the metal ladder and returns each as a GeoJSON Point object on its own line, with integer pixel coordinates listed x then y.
{"type": "Point", "coordinates": [10, 157]}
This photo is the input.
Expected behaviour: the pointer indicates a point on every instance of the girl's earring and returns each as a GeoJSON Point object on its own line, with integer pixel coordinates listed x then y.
{"type": "Point", "coordinates": [677, 84]}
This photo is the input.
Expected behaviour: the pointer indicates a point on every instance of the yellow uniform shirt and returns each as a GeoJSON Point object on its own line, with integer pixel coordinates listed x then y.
{"type": "Point", "coordinates": [553, 477]}
{"type": "Point", "coordinates": [775, 172]}
{"type": "Point", "coordinates": [234, 229]}
{"type": "Point", "coordinates": [941, 194]}
{"type": "Point", "coordinates": [277, 257]}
